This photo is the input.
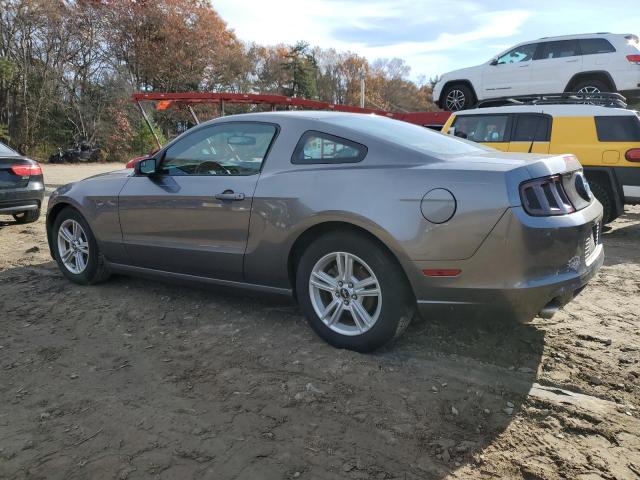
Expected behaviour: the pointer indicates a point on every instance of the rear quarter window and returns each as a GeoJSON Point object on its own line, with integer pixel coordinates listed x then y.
{"type": "Point", "coordinates": [318, 148]}
{"type": "Point", "coordinates": [593, 46]}
{"type": "Point", "coordinates": [622, 128]}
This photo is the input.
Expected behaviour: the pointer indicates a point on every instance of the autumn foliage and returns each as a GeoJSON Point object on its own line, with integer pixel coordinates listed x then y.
{"type": "Point", "coordinates": [68, 67]}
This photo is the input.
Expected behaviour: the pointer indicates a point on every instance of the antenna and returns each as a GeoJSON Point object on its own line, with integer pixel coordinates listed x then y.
{"type": "Point", "coordinates": [535, 132]}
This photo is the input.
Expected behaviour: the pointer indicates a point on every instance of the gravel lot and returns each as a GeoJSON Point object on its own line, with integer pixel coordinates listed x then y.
{"type": "Point", "coordinates": [139, 379]}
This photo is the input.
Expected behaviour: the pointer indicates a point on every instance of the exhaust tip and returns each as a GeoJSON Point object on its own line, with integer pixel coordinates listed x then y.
{"type": "Point", "coordinates": [549, 310]}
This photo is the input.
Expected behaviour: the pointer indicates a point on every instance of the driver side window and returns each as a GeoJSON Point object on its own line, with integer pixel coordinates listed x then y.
{"type": "Point", "coordinates": [523, 53]}
{"type": "Point", "coordinates": [234, 148]}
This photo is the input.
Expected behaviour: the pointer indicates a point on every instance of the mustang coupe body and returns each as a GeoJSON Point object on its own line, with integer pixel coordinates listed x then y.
{"type": "Point", "coordinates": [360, 217]}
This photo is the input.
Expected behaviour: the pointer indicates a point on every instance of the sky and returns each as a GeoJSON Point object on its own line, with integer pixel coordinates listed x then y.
{"type": "Point", "coordinates": [433, 37]}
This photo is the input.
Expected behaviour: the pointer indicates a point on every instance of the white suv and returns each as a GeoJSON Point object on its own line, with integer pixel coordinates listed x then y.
{"type": "Point", "coordinates": [589, 63]}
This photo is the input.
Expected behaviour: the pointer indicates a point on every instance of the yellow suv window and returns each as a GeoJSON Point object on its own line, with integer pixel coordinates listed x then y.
{"type": "Point", "coordinates": [618, 128]}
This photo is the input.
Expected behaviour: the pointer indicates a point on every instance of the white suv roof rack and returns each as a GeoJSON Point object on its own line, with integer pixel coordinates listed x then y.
{"type": "Point", "coordinates": [614, 100]}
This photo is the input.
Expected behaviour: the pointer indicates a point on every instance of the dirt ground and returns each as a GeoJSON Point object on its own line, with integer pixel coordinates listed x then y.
{"type": "Point", "coordinates": [138, 379]}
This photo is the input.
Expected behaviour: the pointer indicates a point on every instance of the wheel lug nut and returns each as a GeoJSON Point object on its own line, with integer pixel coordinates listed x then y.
{"type": "Point", "coordinates": [337, 294]}
{"type": "Point", "coordinates": [351, 285]}
{"type": "Point", "coordinates": [346, 302]}
{"type": "Point", "coordinates": [354, 296]}
{"type": "Point", "coordinates": [340, 284]}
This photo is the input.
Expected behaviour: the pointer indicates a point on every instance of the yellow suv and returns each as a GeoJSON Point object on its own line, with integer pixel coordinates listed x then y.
{"type": "Point", "coordinates": [606, 140]}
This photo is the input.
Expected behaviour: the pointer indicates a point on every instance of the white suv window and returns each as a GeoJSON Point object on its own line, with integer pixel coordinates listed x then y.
{"type": "Point", "coordinates": [593, 46]}
{"type": "Point", "coordinates": [557, 49]}
{"type": "Point", "coordinates": [523, 53]}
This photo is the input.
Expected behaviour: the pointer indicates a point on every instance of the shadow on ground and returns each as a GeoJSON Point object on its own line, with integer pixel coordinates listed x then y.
{"type": "Point", "coordinates": [139, 379]}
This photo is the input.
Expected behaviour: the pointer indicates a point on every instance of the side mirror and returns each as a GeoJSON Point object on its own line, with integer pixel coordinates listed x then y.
{"type": "Point", "coordinates": [494, 62]}
{"type": "Point", "coordinates": [146, 167]}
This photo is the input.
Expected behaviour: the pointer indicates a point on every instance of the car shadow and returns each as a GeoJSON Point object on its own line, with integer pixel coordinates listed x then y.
{"type": "Point", "coordinates": [625, 234]}
{"type": "Point", "coordinates": [186, 381]}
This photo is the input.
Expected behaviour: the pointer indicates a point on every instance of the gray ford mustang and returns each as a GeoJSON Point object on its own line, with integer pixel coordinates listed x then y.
{"type": "Point", "coordinates": [360, 217]}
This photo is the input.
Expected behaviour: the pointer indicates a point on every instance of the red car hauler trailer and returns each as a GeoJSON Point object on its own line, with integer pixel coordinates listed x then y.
{"type": "Point", "coordinates": [188, 99]}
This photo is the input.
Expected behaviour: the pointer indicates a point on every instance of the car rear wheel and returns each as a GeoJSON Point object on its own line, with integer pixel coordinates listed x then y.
{"type": "Point", "coordinates": [29, 216]}
{"type": "Point", "coordinates": [457, 97]}
{"type": "Point", "coordinates": [603, 195]}
{"type": "Point", "coordinates": [76, 250]}
{"type": "Point", "coordinates": [591, 86]}
{"type": "Point", "coordinates": [352, 293]}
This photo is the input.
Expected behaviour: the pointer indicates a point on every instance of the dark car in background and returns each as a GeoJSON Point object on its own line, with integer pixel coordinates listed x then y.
{"type": "Point", "coordinates": [79, 152]}
{"type": "Point", "coordinates": [21, 186]}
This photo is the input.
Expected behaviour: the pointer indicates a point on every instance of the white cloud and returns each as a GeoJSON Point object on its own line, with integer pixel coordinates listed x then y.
{"type": "Point", "coordinates": [314, 21]}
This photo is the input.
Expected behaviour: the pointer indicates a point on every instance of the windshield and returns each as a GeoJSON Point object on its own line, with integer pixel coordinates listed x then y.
{"type": "Point", "coordinates": [4, 150]}
{"type": "Point", "coordinates": [413, 136]}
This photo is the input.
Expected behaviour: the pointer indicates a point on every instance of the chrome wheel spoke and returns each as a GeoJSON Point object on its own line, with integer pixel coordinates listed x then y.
{"type": "Point", "coordinates": [84, 247]}
{"type": "Point", "coordinates": [66, 235]}
{"type": "Point", "coordinates": [324, 281]}
{"type": "Point", "coordinates": [360, 285]}
{"type": "Point", "coordinates": [361, 317]}
{"type": "Point", "coordinates": [67, 255]}
{"type": "Point", "coordinates": [373, 292]}
{"type": "Point", "coordinates": [332, 312]}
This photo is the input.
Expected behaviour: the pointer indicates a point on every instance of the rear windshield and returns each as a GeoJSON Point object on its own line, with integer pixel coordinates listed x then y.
{"type": "Point", "coordinates": [4, 150]}
{"type": "Point", "coordinates": [407, 134]}
{"type": "Point", "coordinates": [618, 129]}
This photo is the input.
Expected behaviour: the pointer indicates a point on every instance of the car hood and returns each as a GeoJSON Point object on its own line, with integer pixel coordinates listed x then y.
{"type": "Point", "coordinates": [125, 172]}
{"type": "Point", "coordinates": [462, 73]}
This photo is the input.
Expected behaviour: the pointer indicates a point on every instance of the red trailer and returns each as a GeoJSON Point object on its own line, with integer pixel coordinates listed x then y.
{"type": "Point", "coordinates": [188, 99]}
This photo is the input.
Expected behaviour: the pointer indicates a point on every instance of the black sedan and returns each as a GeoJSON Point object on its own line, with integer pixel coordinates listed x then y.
{"type": "Point", "coordinates": [21, 186]}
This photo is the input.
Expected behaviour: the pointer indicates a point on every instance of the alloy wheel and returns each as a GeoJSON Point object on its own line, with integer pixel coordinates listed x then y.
{"type": "Point", "coordinates": [73, 246]}
{"type": "Point", "coordinates": [589, 89]}
{"type": "Point", "coordinates": [345, 293]}
{"type": "Point", "coordinates": [455, 100]}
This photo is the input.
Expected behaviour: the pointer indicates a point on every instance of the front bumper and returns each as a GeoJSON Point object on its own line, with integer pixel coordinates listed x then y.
{"type": "Point", "coordinates": [526, 265]}
{"type": "Point", "coordinates": [15, 200]}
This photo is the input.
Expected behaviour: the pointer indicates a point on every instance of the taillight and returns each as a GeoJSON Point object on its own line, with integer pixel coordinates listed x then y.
{"type": "Point", "coordinates": [545, 196]}
{"type": "Point", "coordinates": [26, 170]}
{"type": "Point", "coordinates": [633, 155]}
{"type": "Point", "coordinates": [634, 59]}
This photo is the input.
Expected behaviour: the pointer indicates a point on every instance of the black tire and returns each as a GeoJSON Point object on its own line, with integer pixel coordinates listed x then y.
{"type": "Point", "coordinates": [604, 196]}
{"type": "Point", "coordinates": [96, 270]}
{"type": "Point", "coordinates": [466, 96]}
{"type": "Point", "coordinates": [397, 304]}
{"type": "Point", "coordinates": [29, 216]}
{"type": "Point", "coordinates": [592, 84]}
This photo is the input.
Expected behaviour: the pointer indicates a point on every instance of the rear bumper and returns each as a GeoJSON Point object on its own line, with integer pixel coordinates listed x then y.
{"type": "Point", "coordinates": [524, 265]}
{"type": "Point", "coordinates": [15, 200]}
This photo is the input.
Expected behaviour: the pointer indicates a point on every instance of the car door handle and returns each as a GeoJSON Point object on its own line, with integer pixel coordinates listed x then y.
{"type": "Point", "coordinates": [523, 66]}
{"type": "Point", "coordinates": [571, 61]}
{"type": "Point", "coordinates": [230, 195]}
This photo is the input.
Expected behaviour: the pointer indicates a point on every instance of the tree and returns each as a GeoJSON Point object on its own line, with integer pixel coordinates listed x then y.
{"type": "Point", "coordinates": [301, 66]}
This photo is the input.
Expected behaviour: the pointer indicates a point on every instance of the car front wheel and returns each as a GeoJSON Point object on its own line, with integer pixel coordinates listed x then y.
{"type": "Point", "coordinates": [353, 294]}
{"type": "Point", "coordinates": [76, 250]}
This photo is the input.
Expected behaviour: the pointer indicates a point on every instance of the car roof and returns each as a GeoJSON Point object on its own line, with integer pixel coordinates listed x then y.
{"type": "Point", "coordinates": [584, 35]}
{"type": "Point", "coordinates": [553, 110]}
{"type": "Point", "coordinates": [310, 116]}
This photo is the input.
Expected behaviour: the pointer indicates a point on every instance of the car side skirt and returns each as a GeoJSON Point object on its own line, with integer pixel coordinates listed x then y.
{"type": "Point", "coordinates": [186, 278]}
